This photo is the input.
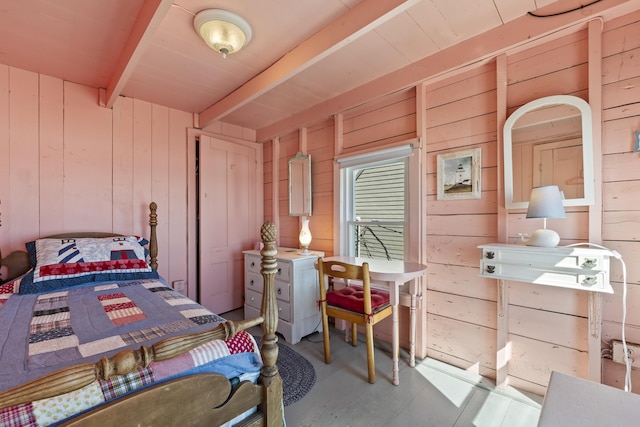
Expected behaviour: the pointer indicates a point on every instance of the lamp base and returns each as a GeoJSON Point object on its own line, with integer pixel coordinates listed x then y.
{"type": "Point", "coordinates": [304, 251]}
{"type": "Point", "coordinates": [544, 238]}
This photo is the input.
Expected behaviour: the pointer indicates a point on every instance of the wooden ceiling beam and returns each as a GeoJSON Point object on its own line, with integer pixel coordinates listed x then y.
{"type": "Point", "coordinates": [365, 16]}
{"type": "Point", "coordinates": [515, 35]}
{"type": "Point", "coordinates": [147, 23]}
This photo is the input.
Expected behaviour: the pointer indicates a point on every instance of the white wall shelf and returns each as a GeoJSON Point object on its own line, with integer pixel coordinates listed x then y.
{"type": "Point", "coordinates": [568, 267]}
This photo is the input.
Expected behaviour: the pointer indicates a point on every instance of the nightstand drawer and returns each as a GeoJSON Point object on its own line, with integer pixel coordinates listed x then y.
{"type": "Point", "coordinates": [283, 271]}
{"type": "Point", "coordinates": [252, 263]}
{"type": "Point", "coordinates": [284, 311]}
{"type": "Point", "coordinates": [282, 290]}
{"type": "Point", "coordinates": [255, 282]}
{"type": "Point", "coordinates": [253, 299]}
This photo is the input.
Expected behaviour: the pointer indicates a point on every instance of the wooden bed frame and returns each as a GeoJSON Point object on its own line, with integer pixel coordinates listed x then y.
{"type": "Point", "coordinates": [203, 399]}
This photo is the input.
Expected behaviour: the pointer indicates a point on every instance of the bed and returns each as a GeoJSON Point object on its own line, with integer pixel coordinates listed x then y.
{"type": "Point", "coordinates": [105, 340]}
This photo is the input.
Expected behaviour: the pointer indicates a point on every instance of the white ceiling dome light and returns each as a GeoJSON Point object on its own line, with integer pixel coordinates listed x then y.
{"type": "Point", "coordinates": [222, 31]}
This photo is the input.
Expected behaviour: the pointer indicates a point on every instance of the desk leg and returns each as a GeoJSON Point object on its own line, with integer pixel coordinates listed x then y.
{"type": "Point", "coordinates": [396, 343]}
{"type": "Point", "coordinates": [412, 331]}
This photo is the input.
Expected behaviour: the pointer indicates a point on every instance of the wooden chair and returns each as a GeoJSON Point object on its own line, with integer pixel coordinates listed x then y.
{"type": "Point", "coordinates": [359, 305]}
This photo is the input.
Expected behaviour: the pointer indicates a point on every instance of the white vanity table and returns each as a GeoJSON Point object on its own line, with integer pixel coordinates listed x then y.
{"type": "Point", "coordinates": [576, 267]}
{"type": "Point", "coordinates": [573, 267]}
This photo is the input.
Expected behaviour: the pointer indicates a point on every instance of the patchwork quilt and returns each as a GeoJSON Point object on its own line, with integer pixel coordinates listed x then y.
{"type": "Point", "coordinates": [43, 332]}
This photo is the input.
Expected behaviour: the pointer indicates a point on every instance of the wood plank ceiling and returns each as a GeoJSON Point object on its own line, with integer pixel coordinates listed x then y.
{"type": "Point", "coordinates": [302, 54]}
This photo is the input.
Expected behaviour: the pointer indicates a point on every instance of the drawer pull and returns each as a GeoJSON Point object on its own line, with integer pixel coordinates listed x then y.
{"type": "Point", "coordinates": [491, 255]}
{"type": "Point", "coordinates": [491, 269]}
{"type": "Point", "coordinates": [279, 271]}
{"type": "Point", "coordinates": [279, 291]}
{"type": "Point", "coordinates": [590, 263]}
{"type": "Point", "coordinates": [251, 282]}
{"type": "Point", "coordinates": [590, 280]}
{"type": "Point", "coordinates": [253, 264]}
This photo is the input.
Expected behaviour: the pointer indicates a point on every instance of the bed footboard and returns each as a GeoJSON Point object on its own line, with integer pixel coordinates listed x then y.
{"type": "Point", "coordinates": [271, 405]}
{"type": "Point", "coordinates": [124, 362]}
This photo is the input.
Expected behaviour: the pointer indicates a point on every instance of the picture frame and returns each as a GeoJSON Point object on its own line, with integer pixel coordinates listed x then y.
{"type": "Point", "coordinates": [459, 175]}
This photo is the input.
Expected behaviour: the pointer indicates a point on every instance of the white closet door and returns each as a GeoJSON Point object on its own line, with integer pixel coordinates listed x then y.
{"type": "Point", "coordinates": [227, 220]}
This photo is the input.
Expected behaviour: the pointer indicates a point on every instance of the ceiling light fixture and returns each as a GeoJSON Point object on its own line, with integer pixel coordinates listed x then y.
{"type": "Point", "coordinates": [222, 31]}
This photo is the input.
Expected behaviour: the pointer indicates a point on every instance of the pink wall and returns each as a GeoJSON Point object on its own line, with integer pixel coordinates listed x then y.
{"type": "Point", "coordinates": [547, 328]}
{"type": "Point", "coordinates": [72, 165]}
{"type": "Point", "coordinates": [68, 164]}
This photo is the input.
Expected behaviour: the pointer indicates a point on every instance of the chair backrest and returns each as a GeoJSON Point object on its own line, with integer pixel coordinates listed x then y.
{"type": "Point", "coordinates": [345, 271]}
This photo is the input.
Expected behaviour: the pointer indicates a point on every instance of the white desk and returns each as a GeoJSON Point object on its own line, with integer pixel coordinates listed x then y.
{"type": "Point", "coordinates": [394, 274]}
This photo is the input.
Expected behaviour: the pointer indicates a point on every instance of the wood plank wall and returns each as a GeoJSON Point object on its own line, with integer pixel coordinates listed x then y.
{"type": "Point", "coordinates": [547, 327]}
{"type": "Point", "coordinates": [320, 147]}
{"type": "Point", "coordinates": [621, 183]}
{"type": "Point", "coordinates": [461, 323]}
{"type": "Point", "coordinates": [70, 165]}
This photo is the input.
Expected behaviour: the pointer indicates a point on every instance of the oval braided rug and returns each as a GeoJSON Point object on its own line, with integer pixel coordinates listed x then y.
{"type": "Point", "coordinates": [298, 374]}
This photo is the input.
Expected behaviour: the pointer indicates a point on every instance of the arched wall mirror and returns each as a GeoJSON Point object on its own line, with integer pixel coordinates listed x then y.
{"type": "Point", "coordinates": [300, 185]}
{"type": "Point", "coordinates": [549, 141]}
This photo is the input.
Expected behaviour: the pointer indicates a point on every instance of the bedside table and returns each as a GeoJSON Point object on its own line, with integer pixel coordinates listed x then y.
{"type": "Point", "coordinates": [296, 286]}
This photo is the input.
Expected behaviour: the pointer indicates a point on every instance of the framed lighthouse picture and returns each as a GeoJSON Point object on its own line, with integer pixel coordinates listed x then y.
{"type": "Point", "coordinates": [459, 175]}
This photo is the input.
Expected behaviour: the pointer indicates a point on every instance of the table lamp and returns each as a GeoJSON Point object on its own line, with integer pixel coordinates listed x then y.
{"type": "Point", "coordinates": [545, 202]}
{"type": "Point", "coordinates": [305, 236]}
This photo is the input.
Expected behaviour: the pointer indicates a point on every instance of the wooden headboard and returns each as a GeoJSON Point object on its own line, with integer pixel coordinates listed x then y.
{"type": "Point", "coordinates": [18, 263]}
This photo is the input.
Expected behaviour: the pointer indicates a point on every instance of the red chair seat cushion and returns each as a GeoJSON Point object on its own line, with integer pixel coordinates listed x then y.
{"type": "Point", "coordinates": [352, 298]}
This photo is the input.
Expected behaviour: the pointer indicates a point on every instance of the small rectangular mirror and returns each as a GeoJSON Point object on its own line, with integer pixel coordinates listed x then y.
{"type": "Point", "coordinates": [300, 185]}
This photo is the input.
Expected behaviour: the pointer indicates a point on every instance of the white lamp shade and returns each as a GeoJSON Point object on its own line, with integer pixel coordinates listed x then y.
{"type": "Point", "coordinates": [222, 31]}
{"type": "Point", "coordinates": [546, 202]}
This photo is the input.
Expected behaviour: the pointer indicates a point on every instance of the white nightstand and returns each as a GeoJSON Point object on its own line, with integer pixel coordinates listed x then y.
{"type": "Point", "coordinates": [296, 286]}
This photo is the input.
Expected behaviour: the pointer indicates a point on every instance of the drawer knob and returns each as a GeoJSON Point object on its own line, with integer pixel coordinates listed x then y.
{"type": "Point", "coordinates": [279, 271]}
{"type": "Point", "coordinates": [590, 280]}
{"type": "Point", "coordinates": [491, 269]}
{"type": "Point", "coordinates": [491, 255]}
{"type": "Point", "coordinates": [590, 263]}
{"type": "Point", "coordinates": [279, 291]}
{"type": "Point", "coordinates": [253, 263]}
{"type": "Point", "coordinates": [251, 282]}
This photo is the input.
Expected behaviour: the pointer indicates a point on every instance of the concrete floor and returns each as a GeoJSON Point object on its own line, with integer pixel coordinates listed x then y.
{"type": "Point", "coordinates": [431, 394]}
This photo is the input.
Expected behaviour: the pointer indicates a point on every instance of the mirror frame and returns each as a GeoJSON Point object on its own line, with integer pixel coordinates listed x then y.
{"type": "Point", "coordinates": [587, 149]}
{"type": "Point", "coordinates": [300, 186]}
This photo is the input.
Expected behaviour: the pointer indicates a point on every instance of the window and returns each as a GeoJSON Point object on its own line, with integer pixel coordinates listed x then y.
{"type": "Point", "coordinates": [373, 214]}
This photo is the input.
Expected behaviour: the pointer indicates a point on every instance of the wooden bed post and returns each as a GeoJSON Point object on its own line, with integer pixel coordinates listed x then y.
{"type": "Point", "coordinates": [153, 238]}
{"type": "Point", "coordinates": [271, 406]}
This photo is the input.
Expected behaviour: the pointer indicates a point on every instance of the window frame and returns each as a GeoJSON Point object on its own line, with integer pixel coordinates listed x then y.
{"type": "Point", "coordinates": [347, 196]}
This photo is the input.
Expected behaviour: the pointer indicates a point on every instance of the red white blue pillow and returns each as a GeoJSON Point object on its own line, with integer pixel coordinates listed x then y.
{"type": "Point", "coordinates": [61, 263]}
